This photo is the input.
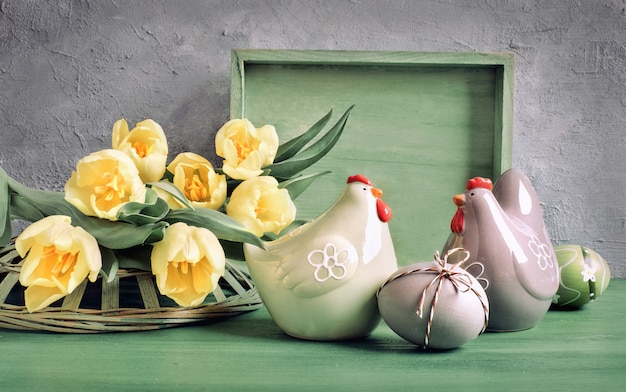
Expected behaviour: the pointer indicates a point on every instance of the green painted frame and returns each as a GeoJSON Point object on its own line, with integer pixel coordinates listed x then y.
{"type": "Point", "coordinates": [423, 123]}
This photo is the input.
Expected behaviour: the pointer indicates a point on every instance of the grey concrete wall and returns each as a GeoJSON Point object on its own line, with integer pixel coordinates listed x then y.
{"type": "Point", "coordinates": [69, 69]}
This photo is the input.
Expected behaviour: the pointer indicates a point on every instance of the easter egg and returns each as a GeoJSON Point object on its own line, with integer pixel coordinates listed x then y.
{"type": "Point", "coordinates": [583, 275]}
{"type": "Point", "coordinates": [433, 305]}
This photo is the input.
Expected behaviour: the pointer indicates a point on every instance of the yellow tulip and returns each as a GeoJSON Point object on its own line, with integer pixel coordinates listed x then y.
{"type": "Point", "coordinates": [145, 144]}
{"type": "Point", "coordinates": [187, 263]}
{"type": "Point", "coordinates": [59, 257]}
{"type": "Point", "coordinates": [197, 179]}
{"type": "Point", "coordinates": [261, 206]}
{"type": "Point", "coordinates": [103, 182]}
{"type": "Point", "coordinates": [245, 149]}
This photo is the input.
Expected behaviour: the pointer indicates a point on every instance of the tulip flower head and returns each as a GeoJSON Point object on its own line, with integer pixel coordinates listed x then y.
{"type": "Point", "coordinates": [58, 258]}
{"type": "Point", "coordinates": [261, 206]}
{"type": "Point", "coordinates": [145, 144]}
{"type": "Point", "coordinates": [187, 263]}
{"type": "Point", "coordinates": [245, 149]}
{"type": "Point", "coordinates": [197, 179]}
{"type": "Point", "coordinates": [103, 182]}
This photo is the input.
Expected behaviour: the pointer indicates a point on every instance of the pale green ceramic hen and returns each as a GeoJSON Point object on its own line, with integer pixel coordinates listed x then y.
{"type": "Point", "coordinates": [319, 282]}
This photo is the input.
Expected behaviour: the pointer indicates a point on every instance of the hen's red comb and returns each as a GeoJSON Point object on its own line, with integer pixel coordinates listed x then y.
{"type": "Point", "coordinates": [479, 182]}
{"type": "Point", "coordinates": [359, 178]}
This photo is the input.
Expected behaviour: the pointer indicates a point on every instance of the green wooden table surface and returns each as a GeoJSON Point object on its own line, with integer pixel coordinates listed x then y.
{"type": "Point", "coordinates": [583, 350]}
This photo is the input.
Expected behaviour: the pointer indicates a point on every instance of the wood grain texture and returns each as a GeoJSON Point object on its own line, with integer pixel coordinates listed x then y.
{"type": "Point", "coordinates": [567, 351]}
{"type": "Point", "coordinates": [423, 124]}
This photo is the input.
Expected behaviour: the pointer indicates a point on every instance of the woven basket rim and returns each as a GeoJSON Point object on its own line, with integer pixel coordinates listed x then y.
{"type": "Point", "coordinates": [235, 295]}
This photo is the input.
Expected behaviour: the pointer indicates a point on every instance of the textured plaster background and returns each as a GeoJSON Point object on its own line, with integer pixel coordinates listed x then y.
{"type": "Point", "coordinates": [70, 69]}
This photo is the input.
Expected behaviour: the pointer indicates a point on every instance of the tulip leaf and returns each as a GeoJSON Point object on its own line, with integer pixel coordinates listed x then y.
{"type": "Point", "coordinates": [137, 257]}
{"type": "Point", "coordinates": [296, 185]}
{"type": "Point", "coordinates": [223, 226]}
{"type": "Point", "coordinates": [311, 154]}
{"type": "Point", "coordinates": [5, 213]}
{"type": "Point", "coordinates": [173, 190]}
{"type": "Point", "coordinates": [120, 235]}
{"type": "Point", "coordinates": [291, 147]}
{"type": "Point", "coordinates": [110, 264]}
{"type": "Point", "coordinates": [233, 250]}
{"type": "Point", "coordinates": [33, 204]}
{"type": "Point", "coordinates": [23, 208]}
{"type": "Point", "coordinates": [152, 210]}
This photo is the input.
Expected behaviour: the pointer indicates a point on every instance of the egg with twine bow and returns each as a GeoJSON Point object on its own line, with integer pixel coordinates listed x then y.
{"type": "Point", "coordinates": [584, 275]}
{"type": "Point", "coordinates": [435, 305]}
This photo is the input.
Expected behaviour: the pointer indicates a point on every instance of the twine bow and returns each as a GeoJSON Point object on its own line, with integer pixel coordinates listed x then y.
{"type": "Point", "coordinates": [459, 278]}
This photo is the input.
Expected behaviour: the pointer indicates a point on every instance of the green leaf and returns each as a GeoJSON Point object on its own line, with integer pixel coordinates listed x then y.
{"type": "Point", "coordinates": [22, 208]}
{"type": "Point", "coordinates": [291, 147]}
{"type": "Point", "coordinates": [121, 235]}
{"type": "Point", "coordinates": [34, 204]}
{"type": "Point", "coordinates": [173, 190]}
{"type": "Point", "coordinates": [223, 226]}
{"type": "Point", "coordinates": [233, 250]}
{"type": "Point", "coordinates": [109, 264]}
{"type": "Point", "coordinates": [152, 210]}
{"type": "Point", "coordinates": [288, 168]}
{"type": "Point", "coordinates": [296, 185]}
{"type": "Point", "coordinates": [137, 257]}
{"type": "Point", "coordinates": [5, 212]}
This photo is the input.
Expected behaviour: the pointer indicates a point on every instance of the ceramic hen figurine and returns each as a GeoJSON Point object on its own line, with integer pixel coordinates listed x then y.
{"type": "Point", "coordinates": [510, 250]}
{"type": "Point", "coordinates": [319, 282]}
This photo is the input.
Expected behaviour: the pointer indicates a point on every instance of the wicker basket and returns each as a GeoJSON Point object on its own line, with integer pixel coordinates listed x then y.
{"type": "Point", "coordinates": [131, 302]}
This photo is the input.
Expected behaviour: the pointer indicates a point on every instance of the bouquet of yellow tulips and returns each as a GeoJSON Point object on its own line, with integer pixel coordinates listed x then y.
{"type": "Point", "coordinates": [127, 208]}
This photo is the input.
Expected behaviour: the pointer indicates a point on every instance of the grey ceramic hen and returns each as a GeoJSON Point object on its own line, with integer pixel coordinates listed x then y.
{"type": "Point", "coordinates": [510, 250]}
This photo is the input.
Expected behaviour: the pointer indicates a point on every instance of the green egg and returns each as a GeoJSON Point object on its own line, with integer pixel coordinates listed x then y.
{"type": "Point", "coordinates": [584, 275]}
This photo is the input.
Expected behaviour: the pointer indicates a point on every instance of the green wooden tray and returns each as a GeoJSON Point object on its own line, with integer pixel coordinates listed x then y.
{"type": "Point", "coordinates": [423, 123]}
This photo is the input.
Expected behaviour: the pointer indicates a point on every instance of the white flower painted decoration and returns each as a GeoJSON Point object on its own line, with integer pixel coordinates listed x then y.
{"type": "Point", "coordinates": [477, 269]}
{"type": "Point", "coordinates": [542, 251]}
{"type": "Point", "coordinates": [329, 263]}
{"type": "Point", "coordinates": [588, 273]}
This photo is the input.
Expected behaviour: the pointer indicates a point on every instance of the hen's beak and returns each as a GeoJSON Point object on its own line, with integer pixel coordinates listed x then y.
{"type": "Point", "coordinates": [377, 192]}
{"type": "Point", "coordinates": [459, 200]}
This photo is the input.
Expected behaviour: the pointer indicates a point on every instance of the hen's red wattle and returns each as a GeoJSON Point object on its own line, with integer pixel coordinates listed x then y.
{"type": "Point", "coordinates": [384, 211]}
{"type": "Point", "coordinates": [457, 221]}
